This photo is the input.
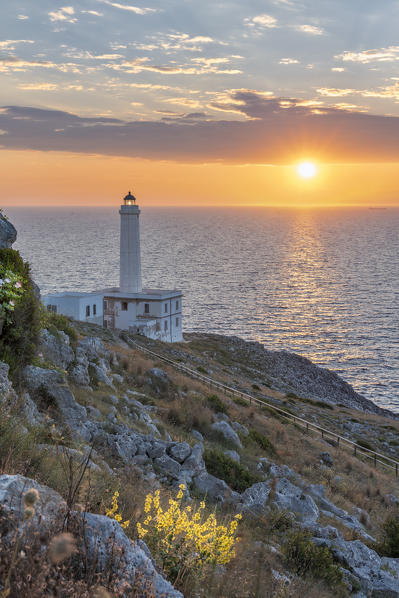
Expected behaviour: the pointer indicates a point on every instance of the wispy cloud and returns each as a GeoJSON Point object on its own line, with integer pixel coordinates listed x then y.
{"type": "Point", "coordinates": [38, 86]}
{"type": "Point", "coordinates": [9, 44]}
{"type": "Point", "coordinates": [263, 21]}
{"type": "Point", "coordinates": [389, 54]}
{"type": "Point", "coordinates": [334, 92]}
{"type": "Point", "coordinates": [63, 14]}
{"type": "Point", "coordinates": [289, 61]}
{"type": "Point", "coordinates": [135, 9]}
{"type": "Point", "coordinates": [311, 29]}
{"type": "Point", "coordinates": [139, 65]}
{"type": "Point", "coordinates": [95, 13]}
{"type": "Point", "coordinates": [22, 17]}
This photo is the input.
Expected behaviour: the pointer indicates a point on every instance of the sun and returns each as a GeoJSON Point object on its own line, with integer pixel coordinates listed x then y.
{"type": "Point", "coordinates": [306, 170]}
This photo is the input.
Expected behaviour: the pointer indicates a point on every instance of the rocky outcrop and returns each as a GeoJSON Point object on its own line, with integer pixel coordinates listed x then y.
{"type": "Point", "coordinates": [5, 384]}
{"type": "Point", "coordinates": [102, 541]}
{"type": "Point", "coordinates": [56, 349]}
{"type": "Point", "coordinates": [8, 233]}
{"type": "Point", "coordinates": [289, 372]}
{"type": "Point", "coordinates": [223, 428]}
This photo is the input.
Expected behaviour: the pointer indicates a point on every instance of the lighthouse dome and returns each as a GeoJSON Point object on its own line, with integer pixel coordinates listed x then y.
{"type": "Point", "coordinates": [129, 199]}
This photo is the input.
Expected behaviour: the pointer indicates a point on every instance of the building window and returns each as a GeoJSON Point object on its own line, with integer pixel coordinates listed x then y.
{"type": "Point", "coordinates": [146, 308]}
{"type": "Point", "coordinates": [124, 305]}
{"type": "Point", "coordinates": [177, 322]}
{"type": "Point", "coordinates": [87, 311]}
{"type": "Point", "coordinates": [177, 305]}
{"type": "Point", "coordinates": [52, 308]}
{"type": "Point", "coordinates": [166, 308]}
{"type": "Point", "coordinates": [165, 325]}
{"type": "Point", "coordinates": [105, 304]}
{"type": "Point", "coordinates": [94, 310]}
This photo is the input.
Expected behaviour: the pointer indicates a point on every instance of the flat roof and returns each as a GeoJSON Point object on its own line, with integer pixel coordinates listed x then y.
{"type": "Point", "coordinates": [114, 292]}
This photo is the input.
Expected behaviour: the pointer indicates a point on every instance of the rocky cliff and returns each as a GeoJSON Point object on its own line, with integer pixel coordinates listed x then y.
{"type": "Point", "coordinates": [8, 233]}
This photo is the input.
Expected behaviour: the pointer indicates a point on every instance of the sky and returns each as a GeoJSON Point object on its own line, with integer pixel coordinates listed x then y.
{"type": "Point", "coordinates": [199, 103]}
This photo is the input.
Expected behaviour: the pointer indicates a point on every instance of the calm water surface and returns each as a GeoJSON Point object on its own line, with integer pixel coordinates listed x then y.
{"type": "Point", "coordinates": [322, 283]}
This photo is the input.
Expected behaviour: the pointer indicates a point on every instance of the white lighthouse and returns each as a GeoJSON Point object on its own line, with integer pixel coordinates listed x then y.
{"type": "Point", "coordinates": [155, 313]}
{"type": "Point", "coordinates": [130, 257]}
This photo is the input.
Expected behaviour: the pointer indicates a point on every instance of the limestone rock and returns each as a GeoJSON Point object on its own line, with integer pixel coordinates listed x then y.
{"type": "Point", "coordinates": [256, 497]}
{"type": "Point", "coordinates": [94, 348]}
{"type": "Point", "coordinates": [103, 542]}
{"type": "Point", "coordinates": [5, 383]}
{"type": "Point", "coordinates": [240, 428]}
{"type": "Point", "coordinates": [327, 459]}
{"type": "Point", "coordinates": [8, 233]}
{"type": "Point", "coordinates": [52, 384]}
{"type": "Point", "coordinates": [195, 463]}
{"type": "Point", "coordinates": [79, 375]}
{"type": "Point", "coordinates": [159, 380]}
{"type": "Point", "coordinates": [100, 374]}
{"type": "Point", "coordinates": [292, 498]}
{"type": "Point", "coordinates": [168, 466]}
{"type": "Point", "coordinates": [56, 350]}
{"type": "Point", "coordinates": [214, 488]}
{"type": "Point", "coordinates": [227, 432]}
{"type": "Point", "coordinates": [232, 455]}
{"type": "Point", "coordinates": [180, 451]}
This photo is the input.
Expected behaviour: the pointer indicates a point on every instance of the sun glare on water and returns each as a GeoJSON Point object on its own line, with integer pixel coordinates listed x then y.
{"type": "Point", "coordinates": [306, 170]}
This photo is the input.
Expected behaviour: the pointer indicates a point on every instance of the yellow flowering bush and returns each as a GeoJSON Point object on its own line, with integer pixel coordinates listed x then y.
{"type": "Point", "coordinates": [113, 511]}
{"type": "Point", "coordinates": [185, 539]}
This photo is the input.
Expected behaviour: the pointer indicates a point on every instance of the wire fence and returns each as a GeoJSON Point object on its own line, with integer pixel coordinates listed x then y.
{"type": "Point", "coordinates": [358, 450]}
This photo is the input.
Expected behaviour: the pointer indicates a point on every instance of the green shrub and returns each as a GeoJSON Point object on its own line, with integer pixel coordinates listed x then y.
{"type": "Point", "coordinates": [255, 386]}
{"type": "Point", "coordinates": [261, 440]}
{"type": "Point", "coordinates": [58, 322]}
{"type": "Point", "coordinates": [308, 560]}
{"type": "Point", "coordinates": [365, 444]}
{"type": "Point", "coordinates": [202, 370]}
{"type": "Point", "coordinates": [241, 402]}
{"type": "Point", "coordinates": [215, 403]}
{"type": "Point", "coordinates": [389, 544]}
{"type": "Point", "coordinates": [20, 331]}
{"type": "Point", "coordinates": [234, 474]}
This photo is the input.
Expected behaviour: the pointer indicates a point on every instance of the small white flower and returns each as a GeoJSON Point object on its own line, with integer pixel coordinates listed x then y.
{"type": "Point", "coordinates": [7, 280]}
{"type": "Point", "coordinates": [18, 285]}
{"type": "Point", "coordinates": [12, 302]}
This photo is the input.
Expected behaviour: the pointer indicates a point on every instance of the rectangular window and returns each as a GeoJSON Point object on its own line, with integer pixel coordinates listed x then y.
{"type": "Point", "coordinates": [94, 310]}
{"type": "Point", "coordinates": [166, 308]}
{"type": "Point", "coordinates": [105, 305]}
{"type": "Point", "coordinates": [49, 308]}
{"type": "Point", "coordinates": [54, 309]}
{"type": "Point", "coordinates": [146, 308]}
{"type": "Point", "coordinates": [166, 325]}
{"type": "Point", "coordinates": [124, 305]}
{"type": "Point", "coordinates": [87, 311]}
{"type": "Point", "coordinates": [177, 322]}
{"type": "Point", "coordinates": [177, 305]}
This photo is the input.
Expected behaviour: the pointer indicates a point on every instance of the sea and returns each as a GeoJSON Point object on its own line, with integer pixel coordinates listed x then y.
{"type": "Point", "coordinates": [323, 283]}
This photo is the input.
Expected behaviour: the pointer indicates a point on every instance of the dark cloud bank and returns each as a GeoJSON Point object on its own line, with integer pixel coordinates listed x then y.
{"type": "Point", "coordinates": [280, 131]}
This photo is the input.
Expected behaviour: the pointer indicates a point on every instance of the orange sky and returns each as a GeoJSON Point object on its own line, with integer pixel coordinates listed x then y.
{"type": "Point", "coordinates": [57, 178]}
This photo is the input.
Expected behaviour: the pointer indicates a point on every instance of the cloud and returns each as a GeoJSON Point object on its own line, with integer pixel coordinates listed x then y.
{"type": "Point", "coordinates": [176, 41]}
{"type": "Point", "coordinates": [289, 61]}
{"type": "Point", "coordinates": [390, 54]}
{"type": "Point", "coordinates": [15, 64]}
{"type": "Point", "coordinates": [139, 65]}
{"type": "Point", "coordinates": [262, 21]}
{"type": "Point", "coordinates": [9, 44]}
{"type": "Point", "coordinates": [63, 14]}
{"type": "Point", "coordinates": [92, 12]}
{"type": "Point", "coordinates": [338, 69]}
{"type": "Point", "coordinates": [334, 92]}
{"type": "Point", "coordinates": [310, 29]}
{"type": "Point", "coordinates": [275, 131]}
{"type": "Point", "coordinates": [22, 17]}
{"type": "Point", "coordinates": [38, 86]}
{"type": "Point", "coordinates": [135, 9]}
{"type": "Point", "coordinates": [3, 132]}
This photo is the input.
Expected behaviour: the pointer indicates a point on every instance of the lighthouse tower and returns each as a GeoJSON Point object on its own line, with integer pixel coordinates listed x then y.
{"type": "Point", "coordinates": [130, 258]}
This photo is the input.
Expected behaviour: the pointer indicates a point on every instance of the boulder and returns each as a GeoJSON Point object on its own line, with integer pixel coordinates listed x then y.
{"type": "Point", "coordinates": [50, 386]}
{"type": "Point", "coordinates": [79, 375]}
{"type": "Point", "coordinates": [240, 429]}
{"type": "Point", "coordinates": [103, 543]}
{"type": "Point", "coordinates": [255, 498]}
{"type": "Point", "coordinates": [94, 348]}
{"type": "Point", "coordinates": [214, 488]}
{"type": "Point", "coordinates": [227, 432]}
{"type": "Point", "coordinates": [8, 233]}
{"type": "Point", "coordinates": [180, 451]}
{"type": "Point", "coordinates": [5, 383]}
{"type": "Point", "coordinates": [55, 349]}
{"type": "Point", "coordinates": [326, 459]}
{"type": "Point", "coordinates": [291, 498]}
{"type": "Point", "coordinates": [100, 374]}
{"type": "Point", "coordinates": [195, 463]}
{"type": "Point", "coordinates": [168, 466]}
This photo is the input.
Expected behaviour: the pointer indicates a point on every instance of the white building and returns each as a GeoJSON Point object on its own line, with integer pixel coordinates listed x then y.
{"type": "Point", "coordinates": [155, 313]}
